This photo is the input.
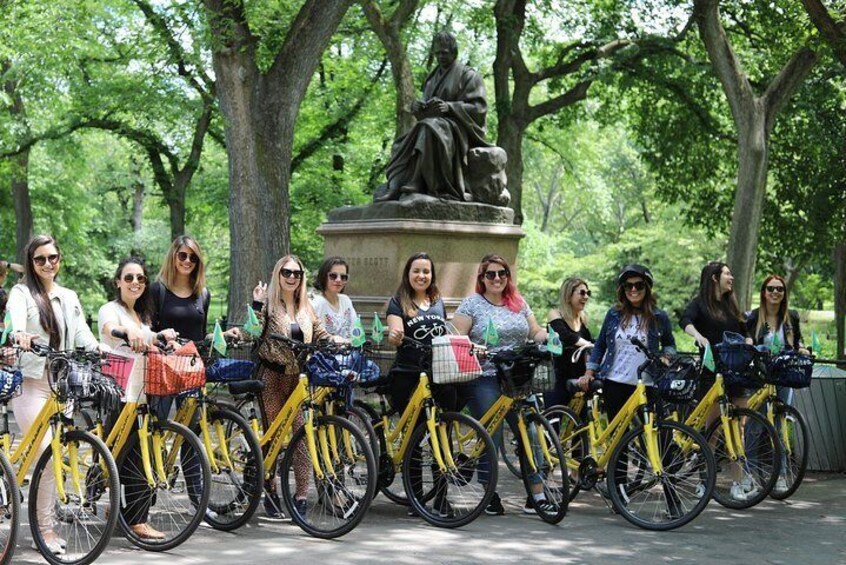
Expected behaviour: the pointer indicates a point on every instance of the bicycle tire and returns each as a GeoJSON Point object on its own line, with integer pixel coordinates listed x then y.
{"type": "Point", "coordinates": [10, 509]}
{"type": "Point", "coordinates": [655, 502]}
{"type": "Point", "coordinates": [470, 446]}
{"type": "Point", "coordinates": [761, 468]}
{"type": "Point", "coordinates": [361, 419]}
{"type": "Point", "coordinates": [235, 492]}
{"type": "Point", "coordinates": [96, 517]}
{"type": "Point", "coordinates": [794, 461]}
{"type": "Point", "coordinates": [164, 503]}
{"type": "Point", "coordinates": [325, 517]}
{"type": "Point", "coordinates": [552, 471]}
{"type": "Point", "coordinates": [567, 425]}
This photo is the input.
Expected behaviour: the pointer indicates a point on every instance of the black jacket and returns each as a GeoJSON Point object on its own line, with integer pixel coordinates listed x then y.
{"type": "Point", "coordinates": [758, 337]}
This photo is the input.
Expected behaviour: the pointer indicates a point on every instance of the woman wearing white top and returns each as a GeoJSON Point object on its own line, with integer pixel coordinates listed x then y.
{"type": "Point", "coordinates": [42, 310]}
{"type": "Point", "coordinates": [333, 308]}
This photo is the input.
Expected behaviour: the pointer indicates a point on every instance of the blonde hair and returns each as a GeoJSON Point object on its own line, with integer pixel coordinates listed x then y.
{"type": "Point", "coordinates": [274, 289]}
{"type": "Point", "coordinates": [167, 274]}
{"type": "Point", "coordinates": [568, 287]}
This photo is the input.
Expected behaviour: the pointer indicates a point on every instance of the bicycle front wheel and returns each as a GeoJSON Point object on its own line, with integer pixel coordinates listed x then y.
{"type": "Point", "coordinates": [466, 449]}
{"type": "Point", "coordinates": [328, 497]}
{"type": "Point", "coordinates": [747, 478]}
{"type": "Point", "coordinates": [792, 431]}
{"type": "Point", "coordinates": [10, 509]}
{"type": "Point", "coordinates": [547, 483]}
{"type": "Point", "coordinates": [84, 517]}
{"type": "Point", "coordinates": [175, 504]}
{"type": "Point", "coordinates": [667, 498]}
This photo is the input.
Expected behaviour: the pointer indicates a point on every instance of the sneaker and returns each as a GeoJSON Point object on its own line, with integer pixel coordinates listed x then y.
{"type": "Point", "coordinates": [443, 508]}
{"type": "Point", "coordinates": [699, 492]}
{"type": "Point", "coordinates": [494, 507]}
{"type": "Point", "coordinates": [300, 506]}
{"type": "Point", "coordinates": [736, 492]}
{"type": "Point", "coordinates": [273, 507]}
{"type": "Point", "coordinates": [55, 544]}
{"type": "Point", "coordinates": [780, 485]}
{"type": "Point", "coordinates": [529, 508]}
{"type": "Point", "coordinates": [546, 506]}
{"type": "Point", "coordinates": [747, 484]}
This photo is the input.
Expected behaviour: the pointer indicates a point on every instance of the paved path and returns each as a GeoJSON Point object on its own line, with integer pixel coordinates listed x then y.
{"type": "Point", "coordinates": [810, 528]}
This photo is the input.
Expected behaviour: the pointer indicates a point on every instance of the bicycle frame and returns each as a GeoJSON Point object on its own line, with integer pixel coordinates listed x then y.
{"type": "Point", "coordinates": [731, 431]}
{"type": "Point", "coordinates": [769, 394]}
{"type": "Point", "coordinates": [494, 417]}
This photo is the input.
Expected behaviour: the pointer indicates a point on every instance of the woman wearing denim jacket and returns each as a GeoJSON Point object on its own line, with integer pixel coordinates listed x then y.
{"type": "Point", "coordinates": [614, 356]}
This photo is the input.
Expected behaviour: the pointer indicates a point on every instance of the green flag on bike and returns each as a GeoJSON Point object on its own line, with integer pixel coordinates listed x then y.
{"type": "Point", "coordinates": [218, 341]}
{"type": "Point", "coordinates": [252, 326]}
{"type": "Point", "coordinates": [775, 344]}
{"type": "Point", "coordinates": [377, 332]}
{"type": "Point", "coordinates": [491, 336]}
{"type": "Point", "coordinates": [7, 327]}
{"type": "Point", "coordinates": [553, 341]}
{"type": "Point", "coordinates": [357, 337]}
{"type": "Point", "coordinates": [708, 359]}
{"type": "Point", "coordinates": [815, 342]}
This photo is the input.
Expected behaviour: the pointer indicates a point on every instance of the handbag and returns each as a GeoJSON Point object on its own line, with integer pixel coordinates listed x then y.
{"type": "Point", "coordinates": [454, 360]}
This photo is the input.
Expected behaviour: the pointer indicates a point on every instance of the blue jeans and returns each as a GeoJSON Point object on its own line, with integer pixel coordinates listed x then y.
{"type": "Point", "coordinates": [479, 395]}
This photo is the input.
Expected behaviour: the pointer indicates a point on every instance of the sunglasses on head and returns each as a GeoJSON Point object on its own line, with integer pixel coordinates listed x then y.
{"type": "Point", "coordinates": [129, 277]}
{"type": "Point", "coordinates": [185, 256]}
{"type": "Point", "coordinates": [583, 292]}
{"type": "Point", "coordinates": [502, 274]}
{"type": "Point", "coordinates": [288, 273]}
{"type": "Point", "coordinates": [342, 276]}
{"type": "Point", "coordinates": [42, 260]}
{"type": "Point", "coordinates": [635, 286]}
{"type": "Point", "coordinates": [775, 289]}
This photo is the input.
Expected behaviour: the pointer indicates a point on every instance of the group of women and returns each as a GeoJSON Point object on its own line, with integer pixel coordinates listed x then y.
{"type": "Point", "coordinates": [177, 304]}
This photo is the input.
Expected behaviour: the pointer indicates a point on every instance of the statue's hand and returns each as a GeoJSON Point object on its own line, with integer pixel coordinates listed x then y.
{"type": "Point", "coordinates": [417, 106]}
{"type": "Point", "coordinates": [438, 107]}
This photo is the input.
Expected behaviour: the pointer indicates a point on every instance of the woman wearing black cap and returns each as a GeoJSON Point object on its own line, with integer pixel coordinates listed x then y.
{"type": "Point", "coordinates": [614, 356]}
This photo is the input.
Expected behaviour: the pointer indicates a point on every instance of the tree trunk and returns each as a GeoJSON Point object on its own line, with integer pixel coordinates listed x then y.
{"type": "Point", "coordinates": [840, 297]}
{"type": "Point", "coordinates": [137, 207]}
{"type": "Point", "coordinates": [510, 137]}
{"type": "Point", "coordinates": [748, 209]}
{"type": "Point", "coordinates": [23, 207]}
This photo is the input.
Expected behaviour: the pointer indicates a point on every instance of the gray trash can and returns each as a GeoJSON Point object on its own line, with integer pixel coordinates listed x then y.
{"type": "Point", "coordinates": [824, 406]}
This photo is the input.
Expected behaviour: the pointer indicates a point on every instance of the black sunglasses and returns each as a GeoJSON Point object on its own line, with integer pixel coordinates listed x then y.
{"type": "Point", "coordinates": [640, 285]}
{"type": "Point", "coordinates": [775, 289]}
{"type": "Point", "coordinates": [184, 256]}
{"type": "Point", "coordinates": [288, 273]}
{"type": "Point", "coordinates": [491, 275]}
{"type": "Point", "coordinates": [42, 260]}
{"type": "Point", "coordinates": [336, 276]}
{"type": "Point", "coordinates": [129, 277]}
{"type": "Point", "coordinates": [583, 292]}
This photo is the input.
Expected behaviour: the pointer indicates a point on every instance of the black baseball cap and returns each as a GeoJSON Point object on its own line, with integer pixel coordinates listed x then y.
{"type": "Point", "coordinates": [635, 269]}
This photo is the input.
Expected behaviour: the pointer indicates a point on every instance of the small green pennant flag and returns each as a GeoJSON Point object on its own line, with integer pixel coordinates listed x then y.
{"type": "Point", "coordinates": [378, 331]}
{"type": "Point", "coordinates": [491, 335]}
{"type": "Point", "coordinates": [252, 325]}
{"type": "Point", "coordinates": [7, 323]}
{"type": "Point", "coordinates": [708, 359]}
{"type": "Point", "coordinates": [357, 334]}
{"type": "Point", "coordinates": [218, 341]}
{"type": "Point", "coordinates": [775, 344]}
{"type": "Point", "coordinates": [553, 341]}
{"type": "Point", "coordinates": [815, 342]}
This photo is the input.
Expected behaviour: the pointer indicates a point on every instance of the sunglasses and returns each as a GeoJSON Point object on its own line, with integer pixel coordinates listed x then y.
{"type": "Point", "coordinates": [42, 260]}
{"type": "Point", "coordinates": [583, 292]}
{"type": "Point", "coordinates": [343, 276]}
{"type": "Point", "coordinates": [491, 275]}
{"type": "Point", "coordinates": [775, 289]}
{"type": "Point", "coordinates": [129, 277]}
{"type": "Point", "coordinates": [288, 273]}
{"type": "Point", "coordinates": [636, 286]}
{"type": "Point", "coordinates": [184, 256]}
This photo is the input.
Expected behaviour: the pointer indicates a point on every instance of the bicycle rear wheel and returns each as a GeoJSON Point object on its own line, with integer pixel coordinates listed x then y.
{"type": "Point", "coordinates": [746, 481]}
{"type": "Point", "coordinates": [551, 470]}
{"type": "Point", "coordinates": [509, 450]}
{"type": "Point", "coordinates": [792, 431]}
{"type": "Point", "coordinates": [10, 509]}
{"type": "Point", "coordinates": [661, 500]}
{"type": "Point", "coordinates": [238, 480]}
{"type": "Point", "coordinates": [332, 505]}
{"type": "Point", "coordinates": [85, 518]}
{"type": "Point", "coordinates": [567, 425]}
{"type": "Point", "coordinates": [457, 498]}
{"type": "Point", "coordinates": [391, 483]}
{"type": "Point", "coordinates": [176, 504]}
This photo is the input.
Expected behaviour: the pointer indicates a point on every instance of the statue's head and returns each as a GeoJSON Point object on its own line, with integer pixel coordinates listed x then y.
{"type": "Point", "coordinates": [445, 48]}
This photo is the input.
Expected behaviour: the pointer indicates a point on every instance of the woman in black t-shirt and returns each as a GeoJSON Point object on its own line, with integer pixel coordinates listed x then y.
{"type": "Point", "coordinates": [570, 323]}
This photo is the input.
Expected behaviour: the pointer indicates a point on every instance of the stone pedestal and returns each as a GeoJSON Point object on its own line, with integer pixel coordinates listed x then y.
{"type": "Point", "coordinates": [377, 250]}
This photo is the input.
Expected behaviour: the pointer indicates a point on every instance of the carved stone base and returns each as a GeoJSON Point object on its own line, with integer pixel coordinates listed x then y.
{"type": "Point", "coordinates": [377, 250]}
{"type": "Point", "coordinates": [423, 207]}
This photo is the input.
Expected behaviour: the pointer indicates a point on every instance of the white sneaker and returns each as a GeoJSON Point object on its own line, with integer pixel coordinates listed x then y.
{"type": "Point", "coordinates": [748, 484]}
{"type": "Point", "coordinates": [56, 546]}
{"type": "Point", "coordinates": [781, 485]}
{"type": "Point", "coordinates": [700, 491]}
{"type": "Point", "coordinates": [737, 492]}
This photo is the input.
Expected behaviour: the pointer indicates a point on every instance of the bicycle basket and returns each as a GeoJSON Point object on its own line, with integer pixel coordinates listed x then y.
{"type": "Point", "coordinates": [790, 369]}
{"type": "Point", "coordinates": [119, 368]}
{"type": "Point", "coordinates": [734, 353]}
{"type": "Point", "coordinates": [10, 383]}
{"type": "Point", "coordinates": [516, 369]}
{"type": "Point", "coordinates": [324, 369]}
{"type": "Point", "coordinates": [678, 385]}
{"type": "Point", "coordinates": [228, 370]}
{"type": "Point", "coordinates": [72, 379]}
{"type": "Point", "coordinates": [173, 373]}
{"type": "Point", "coordinates": [454, 360]}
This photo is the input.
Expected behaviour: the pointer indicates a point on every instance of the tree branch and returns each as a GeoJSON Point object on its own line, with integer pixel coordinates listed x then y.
{"type": "Point", "coordinates": [787, 82]}
{"type": "Point", "coordinates": [828, 28]}
{"type": "Point", "coordinates": [575, 94]}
